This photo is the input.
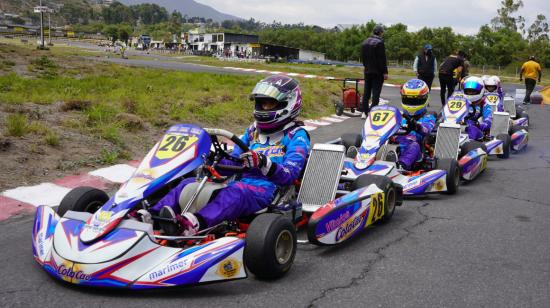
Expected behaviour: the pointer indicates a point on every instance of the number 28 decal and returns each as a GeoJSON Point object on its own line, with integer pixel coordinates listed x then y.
{"type": "Point", "coordinates": [173, 144]}
{"type": "Point", "coordinates": [381, 117]}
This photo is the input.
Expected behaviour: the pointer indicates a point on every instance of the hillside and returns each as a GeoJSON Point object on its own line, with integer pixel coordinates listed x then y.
{"type": "Point", "coordinates": [190, 8]}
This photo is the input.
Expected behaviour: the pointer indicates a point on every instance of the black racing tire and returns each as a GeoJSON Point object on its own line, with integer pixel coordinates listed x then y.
{"type": "Point", "coordinates": [472, 145]}
{"type": "Point", "coordinates": [522, 114]}
{"type": "Point", "coordinates": [352, 110]}
{"type": "Point", "coordinates": [82, 199]}
{"type": "Point", "coordinates": [271, 245]}
{"type": "Point", "coordinates": [339, 108]}
{"type": "Point", "coordinates": [349, 139]}
{"type": "Point", "coordinates": [506, 145]}
{"type": "Point", "coordinates": [453, 174]}
{"type": "Point", "coordinates": [391, 197]}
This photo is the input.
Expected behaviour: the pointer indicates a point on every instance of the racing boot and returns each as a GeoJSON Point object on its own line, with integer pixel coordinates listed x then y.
{"type": "Point", "coordinates": [186, 224]}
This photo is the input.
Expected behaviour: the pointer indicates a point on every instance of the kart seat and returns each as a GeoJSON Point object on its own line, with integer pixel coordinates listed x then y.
{"type": "Point", "coordinates": [209, 191]}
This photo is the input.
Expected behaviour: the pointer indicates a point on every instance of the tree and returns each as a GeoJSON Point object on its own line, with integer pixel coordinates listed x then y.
{"type": "Point", "coordinates": [111, 31]}
{"type": "Point", "coordinates": [505, 18]}
{"type": "Point", "coordinates": [539, 29]}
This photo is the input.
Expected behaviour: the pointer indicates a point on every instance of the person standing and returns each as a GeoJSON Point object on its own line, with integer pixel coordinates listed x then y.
{"type": "Point", "coordinates": [425, 65]}
{"type": "Point", "coordinates": [446, 72]}
{"type": "Point", "coordinates": [532, 71]}
{"type": "Point", "coordinates": [373, 55]}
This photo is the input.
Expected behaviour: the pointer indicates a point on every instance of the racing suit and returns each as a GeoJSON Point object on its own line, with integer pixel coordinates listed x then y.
{"type": "Point", "coordinates": [479, 120]}
{"type": "Point", "coordinates": [409, 144]}
{"type": "Point", "coordinates": [288, 150]}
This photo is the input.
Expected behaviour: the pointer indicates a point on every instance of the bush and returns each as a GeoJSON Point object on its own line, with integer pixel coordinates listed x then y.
{"type": "Point", "coordinates": [17, 125]}
{"type": "Point", "coordinates": [51, 139]}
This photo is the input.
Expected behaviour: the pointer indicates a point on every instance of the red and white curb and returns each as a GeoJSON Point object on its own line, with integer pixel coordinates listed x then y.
{"type": "Point", "coordinates": [252, 70]}
{"type": "Point", "coordinates": [25, 199]}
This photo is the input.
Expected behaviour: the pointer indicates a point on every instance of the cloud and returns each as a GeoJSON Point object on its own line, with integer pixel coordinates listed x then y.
{"type": "Point", "coordinates": [464, 16]}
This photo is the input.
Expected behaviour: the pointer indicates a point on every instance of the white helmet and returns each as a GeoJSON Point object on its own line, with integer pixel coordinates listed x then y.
{"type": "Point", "coordinates": [491, 84]}
{"type": "Point", "coordinates": [474, 89]}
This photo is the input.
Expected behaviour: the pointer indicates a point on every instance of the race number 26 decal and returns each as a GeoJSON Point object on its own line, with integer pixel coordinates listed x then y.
{"type": "Point", "coordinates": [381, 117]}
{"type": "Point", "coordinates": [377, 206]}
{"type": "Point", "coordinates": [173, 144]}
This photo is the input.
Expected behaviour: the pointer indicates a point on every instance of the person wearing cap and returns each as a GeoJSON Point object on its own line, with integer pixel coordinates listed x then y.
{"type": "Point", "coordinates": [447, 73]}
{"type": "Point", "coordinates": [532, 71]}
{"type": "Point", "coordinates": [425, 65]}
{"type": "Point", "coordinates": [373, 55]}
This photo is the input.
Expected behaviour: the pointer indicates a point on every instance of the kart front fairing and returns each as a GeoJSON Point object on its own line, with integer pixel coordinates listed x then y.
{"type": "Point", "coordinates": [129, 257]}
{"type": "Point", "coordinates": [182, 149]}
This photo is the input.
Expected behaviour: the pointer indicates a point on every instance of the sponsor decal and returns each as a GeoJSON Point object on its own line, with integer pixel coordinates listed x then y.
{"type": "Point", "coordinates": [347, 228]}
{"type": "Point", "coordinates": [335, 223]}
{"type": "Point", "coordinates": [68, 273]}
{"type": "Point", "coordinates": [271, 151]}
{"type": "Point", "coordinates": [228, 268]}
{"type": "Point", "coordinates": [174, 267]}
{"type": "Point", "coordinates": [104, 216]}
{"type": "Point", "coordinates": [40, 243]}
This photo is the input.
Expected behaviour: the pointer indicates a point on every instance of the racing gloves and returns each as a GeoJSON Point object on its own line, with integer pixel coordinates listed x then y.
{"type": "Point", "coordinates": [253, 159]}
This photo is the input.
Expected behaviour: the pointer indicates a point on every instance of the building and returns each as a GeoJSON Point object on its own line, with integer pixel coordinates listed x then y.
{"type": "Point", "coordinates": [309, 55]}
{"type": "Point", "coordinates": [223, 43]}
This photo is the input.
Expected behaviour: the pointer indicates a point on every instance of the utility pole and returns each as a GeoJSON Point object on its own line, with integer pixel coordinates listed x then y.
{"type": "Point", "coordinates": [49, 28]}
{"type": "Point", "coordinates": [41, 26]}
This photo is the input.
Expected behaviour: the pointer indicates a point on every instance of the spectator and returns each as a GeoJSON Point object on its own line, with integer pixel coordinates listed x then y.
{"type": "Point", "coordinates": [531, 70]}
{"type": "Point", "coordinates": [373, 54]}
{"type": "Point", "coordinates": [425, 65]}
{"type": "Point", "coordinates": [446, 70]}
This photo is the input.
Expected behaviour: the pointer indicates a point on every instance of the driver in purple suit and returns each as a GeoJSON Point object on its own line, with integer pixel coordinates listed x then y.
{"type": "Point", "coordinates": [278, 147]}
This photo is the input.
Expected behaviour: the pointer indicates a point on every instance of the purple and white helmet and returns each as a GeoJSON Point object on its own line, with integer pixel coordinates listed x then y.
{"type": "Point", "coordinates": [286, 91]}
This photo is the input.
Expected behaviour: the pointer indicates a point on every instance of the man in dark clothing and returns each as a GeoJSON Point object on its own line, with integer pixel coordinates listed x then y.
{"type": "Point", "coordinates": [373, 54]}
{"type": "Point", "coordinates": [425, 65]}
{"type": "Point", "coordinates": [446, 72]}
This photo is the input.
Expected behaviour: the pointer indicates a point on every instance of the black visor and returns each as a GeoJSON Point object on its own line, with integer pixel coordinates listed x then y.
{"type": "Point", "coordinates": [413, 101]}
{"type": "Point", "coordinates": [471, 92]}
{"type": "Point", "coordinates": [491, 88]}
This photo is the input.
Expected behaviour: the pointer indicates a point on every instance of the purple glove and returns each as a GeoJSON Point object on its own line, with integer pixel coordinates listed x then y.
{"type": "Point", "coordinates": [484, 126]}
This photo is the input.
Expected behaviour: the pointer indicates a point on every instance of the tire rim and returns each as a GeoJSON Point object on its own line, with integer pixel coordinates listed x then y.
{"type": "Point", "coordinates": [93, 206]}
{"type": "Point", "coordinates": [391, 201]}
{"type": "Point", "coordinates": [284, 247]}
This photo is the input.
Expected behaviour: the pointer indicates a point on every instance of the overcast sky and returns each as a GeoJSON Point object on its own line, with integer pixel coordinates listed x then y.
{"type": "Point", "coordinates": [464, 16]}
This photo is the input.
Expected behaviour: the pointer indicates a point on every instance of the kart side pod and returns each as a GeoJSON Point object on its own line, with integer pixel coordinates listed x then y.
{"type": "Point", "coordinates": [343, 218]}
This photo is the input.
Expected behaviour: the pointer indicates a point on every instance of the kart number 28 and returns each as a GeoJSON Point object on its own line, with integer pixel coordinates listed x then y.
{"type": "Point", "coordinates": [381, 117]}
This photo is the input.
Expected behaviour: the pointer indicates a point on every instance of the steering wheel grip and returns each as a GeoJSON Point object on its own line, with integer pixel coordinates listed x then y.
{"type": "Point", "coordinates": [229, 135]}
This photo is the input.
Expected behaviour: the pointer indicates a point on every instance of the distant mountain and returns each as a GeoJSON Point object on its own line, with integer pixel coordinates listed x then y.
{"type": "Point", "coordinates": [190, 8]}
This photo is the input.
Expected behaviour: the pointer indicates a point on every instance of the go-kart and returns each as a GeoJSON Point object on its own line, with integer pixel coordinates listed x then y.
{"type": "Point", "coordinates": [376, 153]}
{"type": "Point", "coordinates": [95, 240]}
{"type": "Point", "coordinates": [518, 116]}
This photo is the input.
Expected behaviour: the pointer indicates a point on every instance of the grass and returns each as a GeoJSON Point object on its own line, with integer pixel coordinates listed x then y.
{"type": "Point", "coordinates": [17, 125]}
{"type": "Point", "coordinates": [51, 139]}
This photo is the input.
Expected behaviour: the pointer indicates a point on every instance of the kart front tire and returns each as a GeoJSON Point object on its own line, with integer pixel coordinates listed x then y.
{"type": "Point", "coordinates": [82, 199]}
{"type": "Point", "coordinates": [385, 184]}
{"type": "Point", "coordinates": [453, 174]}
{"type": "Point", "coordinates": [506, 145]}
{"type": "Point", "coordinates": [271, 245]}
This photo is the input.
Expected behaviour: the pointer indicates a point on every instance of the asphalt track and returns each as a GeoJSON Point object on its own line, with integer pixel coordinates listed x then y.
{"type": "Point", "coordinates": [489, 245]}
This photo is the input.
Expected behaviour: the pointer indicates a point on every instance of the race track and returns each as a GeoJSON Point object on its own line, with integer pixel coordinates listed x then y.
{"type": "Point", "coordinates": [489, 245]}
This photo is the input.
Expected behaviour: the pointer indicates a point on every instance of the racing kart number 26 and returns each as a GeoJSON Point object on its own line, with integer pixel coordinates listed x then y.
{"type": "Point", "coordinates": [172, 144]}
{"type": "Point", "coordinates": [381, 117]}
{"type": "Point", "coordinates": [377, 206]}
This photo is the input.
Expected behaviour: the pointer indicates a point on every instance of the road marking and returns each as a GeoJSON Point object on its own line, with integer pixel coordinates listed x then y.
{"type": "Point", "coordinates": [118, 173]}
{"type": "Point", "coordinates": [333, 120]}
{"type": "Point", "coordinates": [293, 74]}
{"type": "Point", "coordinates": [309, 128]}
{"type": "Point", "coordinates": [317, 122]}
{"type": "Point", "coordinates": [310, 76]}
{"type": "Point", "coordinates": [42, 194]}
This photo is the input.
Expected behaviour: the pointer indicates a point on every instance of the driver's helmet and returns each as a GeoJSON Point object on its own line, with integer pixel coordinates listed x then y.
{"type": "Point", "coordinates": [414, 97]}
{"type": "Point", "coordinates": [286, 96]}
{"type": "Point", "coordinates": [474, 89]}
{"type": "Point", "coordinates": [491, 84]}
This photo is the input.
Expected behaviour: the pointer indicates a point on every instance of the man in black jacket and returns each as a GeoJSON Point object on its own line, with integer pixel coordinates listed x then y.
{"type": "Point", "coordinates": [373, 53]}
{"type": "Point", "coordinates": [425, 65]}
{"type": "Point", "coordinates": [446, 74]}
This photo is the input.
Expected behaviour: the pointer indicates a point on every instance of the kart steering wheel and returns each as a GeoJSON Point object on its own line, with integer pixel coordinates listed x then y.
{"type": "Point", "coordinates": [214, 134]}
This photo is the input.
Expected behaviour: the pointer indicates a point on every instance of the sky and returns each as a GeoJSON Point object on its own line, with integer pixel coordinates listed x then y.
{"type": "Point", "coordinates": [464, 16]}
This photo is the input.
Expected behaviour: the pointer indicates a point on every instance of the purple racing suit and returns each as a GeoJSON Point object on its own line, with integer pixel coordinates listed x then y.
{"type": "Point", "coordinates": [288, 151]}
{"type": "Point", "coordinates": [479, 120]}
{"type": "Point", "coordinates": [409, 145]}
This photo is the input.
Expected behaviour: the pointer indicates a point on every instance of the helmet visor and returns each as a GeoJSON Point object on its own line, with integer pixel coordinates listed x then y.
{"type": "Point", "coordinates": [491, 88]}
{"type": "Point", "coordinates": [264, 103]}
{"type": "Point", "coordinates": [266, 89]}
{"type": "Point", "coordinates": [413, 101]}
{"type": "Point", "coordinates": [470, 91]}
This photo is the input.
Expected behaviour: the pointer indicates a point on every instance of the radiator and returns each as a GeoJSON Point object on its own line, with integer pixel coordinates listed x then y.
{"type": "Point", "coordinates": [321, 176]}
{"type": "Point", "coordinates": [447, 141]}
{"type": "Point", "coordinates": [510, 106]}
{"type": "Point", "coordinates": [501, 123]}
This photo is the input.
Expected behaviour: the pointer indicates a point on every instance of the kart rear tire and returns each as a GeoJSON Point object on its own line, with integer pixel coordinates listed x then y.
{"type": "Point", "coordinates": [451, 167]}
{"type": "Point", "coordinates": [82, 199]}
{"type": "Point", "coordinates": [339, 108]}
{"type": "Point", "coordinates": [472, 145]}
{"type": "Point", "coordinates": [506, 145]}
{"type": "Point", "coordinates": [391, 199]}
{"type": "Point", "coordinates": [349, 139]}
{"type": "Point", "coordinates": [271, 245]}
